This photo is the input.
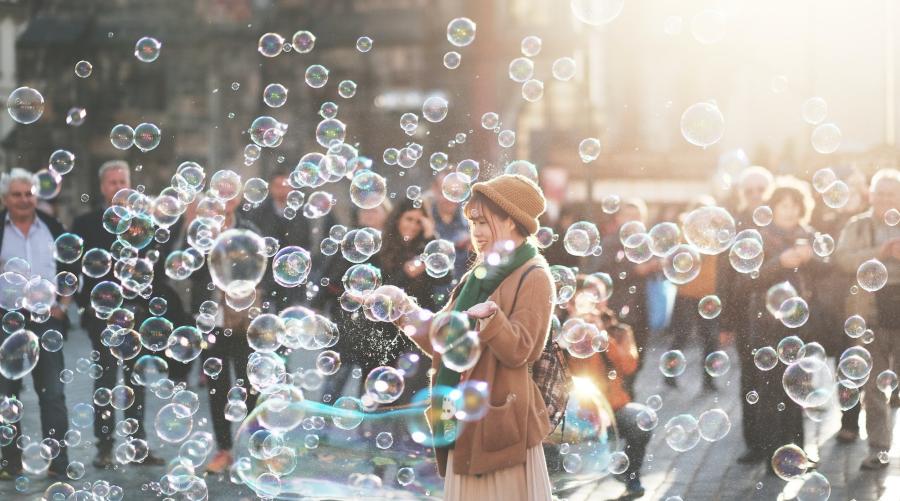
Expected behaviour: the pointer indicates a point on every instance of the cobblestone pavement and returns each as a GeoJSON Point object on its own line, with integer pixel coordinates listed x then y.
{"type": "Point", "coordinates": [707, 472]}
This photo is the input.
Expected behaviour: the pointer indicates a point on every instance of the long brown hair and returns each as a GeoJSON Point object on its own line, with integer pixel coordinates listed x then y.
{"type": "Point", "coordinates": [394, 249]}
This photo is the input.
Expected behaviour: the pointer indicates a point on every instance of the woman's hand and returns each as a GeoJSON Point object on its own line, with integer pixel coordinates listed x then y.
{"type": "Point", "coordinates": [483, 310]}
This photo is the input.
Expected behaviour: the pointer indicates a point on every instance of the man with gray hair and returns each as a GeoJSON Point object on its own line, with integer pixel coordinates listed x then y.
{"type": "Point", "coordinates": [28, 238]}
{"type": "Point", "coordinates": [114, 177]}
{"type": "Point", "coordinates": [874, 234]}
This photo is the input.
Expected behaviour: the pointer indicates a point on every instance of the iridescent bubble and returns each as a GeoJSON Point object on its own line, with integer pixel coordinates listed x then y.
{"type": "Point", "coordinates": [147, 136]}
{"type": "Point", "coordinates": [452, 60]}
{"type": "Point", "coordinates": [814, 110]}
{"type": "Point", "coordinates": [752, 397]}
{"type": "Point", "coordinates": [62, 162]}
{"type": "Point", "coordinates": [456, 187]}
{"type": "Point", "coordinates": [871, 275]}
{"type": "Point", "coordinates": [682, 264]}
{"type": "Point", "coordinates": [717, 364]}
{"type": "Point", "coordinates": [581, 238]}
{"type": "Point", "coordinates": [885, 381]}
{"type": "Point", "coordinates": [789, 461]}
{"type": "Point", "coordinates": [291, 266]}
{"type": "Point", "coordinates": [52, 340]}
{"type": "Point", "coordinates": [76, 116]}
{"type": "Point", "coordinates": [267, 132]}
{"type": "Point", "coordinates": [809, 382]}
{"type": "Point", "coordinates": [815, 487]}
{"type": "Point", "coordinates": [589, 149]}
{"type": "Point", "coordinates": [714, 425]}
{"type": "Point", "coordinates": [155, 332]}
{"type": "Point", "coordinates": [765, 358]}
{"type": "Point", "coordinates": [794, 312]}
{"type": "Point", "coordinates": [564, 69]}
{"type": "Point", "coordinates": [762, 215]}
{"type": "Point", "coordinates": [122, 136]}
{"type": "Point", "coordinates": [303, 41]}
{"type": "Point", "coordinates": [237, 262]}
{"type": "Point", "coordinates": [664, 237]}
{"type": "Point", "coordinates": [710, 229]}
{"type": "Point", "coordinates": [438, 161]}
{"type": "Point", "coordinates": [68, 248]}
{"type": "Point", "coordinates": [855, 326]}
{"type": "Point", "coordinates": [702, 124]}
{"type": "Point", "coordinates": [25, 105]}
{"type": "Point", "coordinates": [330, 132]}
{"type": "Point", "coordinates": [185, 343]}
{"type": "Point", "coordinates": [173, 423]}
{"type": "Point", "coordinates": [672, 363]}
{"type": "Point", "coordinates": [523, 168]}
{"type": "Point", "coordinates": [823, 244]}
{"type": "Point", "coordinates": [19, 354]}
{"type": "Point", "coordinates": [434, 109]}
{"type": "Point", "coordinates": [47, 184]}
{"type": "Point", "coordinates": [533, 90]}
{"type": "Point", "coordinates": [316, 76]}
{"type": "Point", "coordinates": [275, 95]}
{"type": "Point", "coordinates": [682, 432]}
{"type": "Point", "coordinates": [146, 50]}
{"type": "Point", "coordinates": [270, 44]}
{"type": "Point", "coordinates": [709, 307]}
{"type": "Point", "coordinates": [823, 178]}
{"type": "Point", "coordinates": [364, 44]}
{"type": "Point", "coordinates": [789, 348]}
{"type": "Point", "coordinates": [83, 69]}
{"type": "Point", "coordinates": [150, 369]}
{"type": "Point", "coordinates": [596, 12]}
{"type": "Point", "coordinates": [521, 69]}
{"type": "Point", "coordinates": [349, 413]}
{"type": "Point", "coordinates": [826, 138]}
{"type": "Point", "coordinates": [461, 31]}
{"type": "Point", "coordinates": [347, 89]}
{"type": "Point", "coordinates": [836, 195]}
{"type": "Point", "coordinates": [367, 189]}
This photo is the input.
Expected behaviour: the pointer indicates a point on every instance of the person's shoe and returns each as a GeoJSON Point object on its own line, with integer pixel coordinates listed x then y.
{"type": "Point", "coordinates": [220, 462]}
{"type": "Point", "coordinates": [872, 463]}
{"type": "Point", "coordinates": [671, 382]}
{"type": "Point", "coordinates": [633, 490]}
{"type": "Point", "coordinates": [847, 436]}
{"type": "Point", "coordinates": [103, 459]}
{"type": "Point", "coordinates": [750, 457]}
{"type": "Point", "coordinates": [152, 460]}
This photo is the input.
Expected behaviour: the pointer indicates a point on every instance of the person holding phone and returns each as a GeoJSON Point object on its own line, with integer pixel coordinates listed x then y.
{"type": "Point", "coordinates": [776, 420]}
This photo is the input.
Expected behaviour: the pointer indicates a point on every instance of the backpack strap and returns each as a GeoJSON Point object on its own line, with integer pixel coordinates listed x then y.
{"type": "Point", "coordinates": [521, 280]}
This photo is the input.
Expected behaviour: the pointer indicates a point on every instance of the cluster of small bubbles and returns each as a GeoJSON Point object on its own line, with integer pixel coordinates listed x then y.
{"type": "Point", "coordinates": [826, 138]}
{"type": "Point", "coordinates": [452, 59]}
{"type": "Point", "coordinates": [25, 105]}
{"type": "Point", "coordinates": [702, 124]}
{"type": "Point", "coordinates": [146, 50]}
{"type": "Point", "coordinates": [589, 149]}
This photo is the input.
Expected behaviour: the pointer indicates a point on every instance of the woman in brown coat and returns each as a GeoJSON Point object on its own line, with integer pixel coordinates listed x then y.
{"type": "Point", "coordinates": [508, 296]}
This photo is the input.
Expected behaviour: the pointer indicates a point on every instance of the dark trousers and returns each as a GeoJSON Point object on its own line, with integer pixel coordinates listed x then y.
{"type": "Point", "coordinates": [636, 439]}
{"type": "Point", "coordinates": [51, 400]}
{"type": "Point", "coordinates": [686, 321]}
{"type": "Point", "coordinates": [105, 417]}
{"type": "Point", "coordinates": [232, 350]}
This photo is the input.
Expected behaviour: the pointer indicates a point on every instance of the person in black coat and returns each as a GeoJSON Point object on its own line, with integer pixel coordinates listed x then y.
{"type": "Point", "coordinates": [114, 177]}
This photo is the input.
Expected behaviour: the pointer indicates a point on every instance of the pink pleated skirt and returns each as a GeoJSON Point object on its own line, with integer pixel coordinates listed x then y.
{"type": "Point", "coordinates": [526, 482]}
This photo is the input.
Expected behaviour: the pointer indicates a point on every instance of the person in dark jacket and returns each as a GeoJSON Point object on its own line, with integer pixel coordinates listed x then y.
{"type": "Point", "coordinates": [775, 420]}
{"type": "Point", "coordinates": [28, 237]}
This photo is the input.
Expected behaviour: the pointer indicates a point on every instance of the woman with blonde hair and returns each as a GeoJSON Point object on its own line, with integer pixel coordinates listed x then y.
{"type": "Point", "coordinates": [508, 297]}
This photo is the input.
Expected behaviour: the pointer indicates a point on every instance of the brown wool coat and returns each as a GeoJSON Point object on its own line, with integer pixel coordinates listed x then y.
{"type": "Point", "coordinates": [517, 417]}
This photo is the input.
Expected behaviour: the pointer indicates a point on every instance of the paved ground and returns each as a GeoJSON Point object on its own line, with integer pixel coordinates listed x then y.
{"type": "Point", "coordinates": [707, 472]}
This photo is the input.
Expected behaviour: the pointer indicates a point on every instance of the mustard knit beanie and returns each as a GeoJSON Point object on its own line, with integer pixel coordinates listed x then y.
{"type": "Point", "coordinates": [518, 196]}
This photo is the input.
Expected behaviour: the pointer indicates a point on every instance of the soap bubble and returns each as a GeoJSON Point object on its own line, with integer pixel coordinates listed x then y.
{"type": "Point", "coordinates": [776, 295]}
{"type": "Point", "coordinates": [682, 264]}
{"type": "Point", "coordinates": [564, 69]}
{"type": "Point", "coordinates": [581, 238]}
{"type": "Point", "coordinates": [75, 116]}
{"type": "Point", "coordinates": [237, 262]}
{"type": "Point", "coordinates": [809, 382]}
{"type": "Point", "coordinates": [702, 124]}
{"type": "Point", "coordinates": [788, 349]}
{"type": "Point", "coordinates": [765, 358]}
{"type": "Point", "coordinates": [19, 354]}
{"type": "Point", "coordinates": [793, 312]}
{"type": "Point", "coordinates": [461, 31]}
{"type": "Point", "coordinates": [871, 275]}
{"type": "Point", "coordinates": [885, 381]}
{"type": "Point", "coordinates": [434, 109]}
{"type": "Point", "coordinates": [717, 364]}
{"type": "Point", "coordinates": [836, 195]}
{"type": "Point", "coordinates": [146, 50]}
{"type": "Point", "coordinates": [367, 189]}
{"type": "Point", "coordinates": [122, 136]}
{"type": "Point", "coordinates": [823, 244]}
{"type": "Point", "coordinates": [664, 237]}
{"type": "Point", "coordinates": [62, 162]}
{"type": "Point", "coordinates": [672, 363]}
{"type": "Point", "coordinates": [83, 69]}
{"type": "Point", "coordinates": [826, 138]}
{"type": "Point", "coordinates": [316, 76]}
{"type": "Point", "coordinates": [303, 41]}
{"type": "Point", "coordinates": [814, 110]}
{"type": "Point", "coordinates": [275, 95]}
{"type": "Point", "coordinates": [68, 248]}
{"type": "Point", "coordinates": [589, 149]}
{"type": "Point", "coordinates": [452, 60]}
{"type": "Point", "coordinates": [789, 461]}
{"type": "Point", "coordinates": [854, 326]}
{"type": "Point", "coordinates": [709, 307]}
{"type": "Point", "coordinates": [150, 369]}
{"type": "Point", "coordinates": [347, 89]}
{"type": "Point", "coordinates": [714, 424]}
{"type": "Point", "coordinates": [52, 340]}
{"type": "Point", "coordinates": [710, 229]}
{"type": "Point", "coordinates": [173, 423]}
{"type": "Point", "coordinates": [350, 413]}
{"type": "Point", "coordinates": [330, 132]}
{"type": "Point", "coordinates": [270, 44]}
{"type": "Point", "coordinates": [815, 487]}
{"type": "Point", "coordinates": [456, 187]}
{"type": "Point", "coordinates": [25, 105]}
{"type": "Point", "coordinates": [682, 432]}
{"type": "Point", "coordinates": [146, 136]}
{"type": "Point", "coordinates": [533, 90]}
{"type": "Point", "coordinates": [364, 44]}
{"type": "Point", "coordinates": [596, 12]}
{"type": "Point", "coordinates": [291, 266]}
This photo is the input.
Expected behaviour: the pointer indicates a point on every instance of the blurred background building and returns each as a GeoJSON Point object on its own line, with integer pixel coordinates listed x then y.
{"type": "Point", "coordinates": [635, 77]}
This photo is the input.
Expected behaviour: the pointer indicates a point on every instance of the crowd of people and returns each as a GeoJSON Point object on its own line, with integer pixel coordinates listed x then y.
{"type": "Point", "coordinates": [770, 419]}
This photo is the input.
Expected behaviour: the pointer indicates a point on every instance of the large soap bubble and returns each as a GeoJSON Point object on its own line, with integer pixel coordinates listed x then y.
{"type": "Point", "coordinates": [702, 124]}
{"type": "Point", "coordinates": [237, 262]}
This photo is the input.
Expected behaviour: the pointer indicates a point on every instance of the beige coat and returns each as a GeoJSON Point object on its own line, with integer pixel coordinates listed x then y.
{"type": "Point", "coordinates": [510, 340]}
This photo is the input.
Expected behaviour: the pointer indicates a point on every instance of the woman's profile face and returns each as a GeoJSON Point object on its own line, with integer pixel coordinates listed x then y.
{"type": "Point", "coordinates": [488, 229]}
{"type": "Point", "coordinates": [410, 224]}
